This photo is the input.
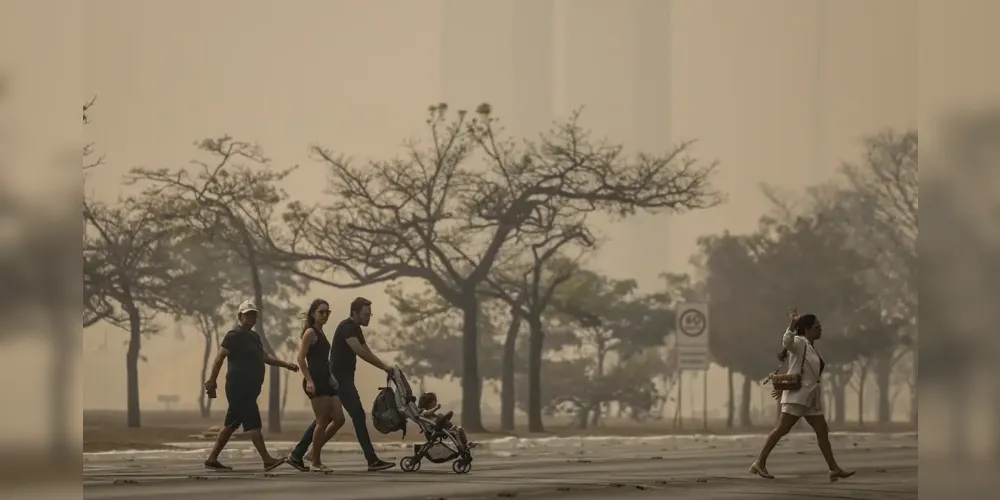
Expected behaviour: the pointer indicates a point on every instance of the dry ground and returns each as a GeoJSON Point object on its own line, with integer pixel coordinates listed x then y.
{"type": "Point", "coordinates": [106, 430]}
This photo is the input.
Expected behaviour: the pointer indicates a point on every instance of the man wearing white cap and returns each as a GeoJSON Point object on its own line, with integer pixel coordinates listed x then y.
{"type": "Point", "coordinates": [244, 379]}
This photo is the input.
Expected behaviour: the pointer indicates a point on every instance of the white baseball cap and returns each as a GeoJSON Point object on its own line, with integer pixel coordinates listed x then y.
{"type": "Point", "coordinates": [247, 306]}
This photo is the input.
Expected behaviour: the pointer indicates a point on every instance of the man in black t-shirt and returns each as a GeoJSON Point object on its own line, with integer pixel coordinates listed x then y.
{"type": "Point", "coordinates": [244, 350]}
{"type": "Point", "coordinates": [348, 344]}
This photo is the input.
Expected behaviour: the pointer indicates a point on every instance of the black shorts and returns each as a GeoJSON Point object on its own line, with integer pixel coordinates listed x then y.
{"type": "Point", "coordinates": [243, 411]}
{"type": "Point", "coordinates": [322, 385]}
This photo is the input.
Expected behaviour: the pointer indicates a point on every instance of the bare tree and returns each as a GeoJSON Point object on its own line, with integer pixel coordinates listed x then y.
{"type": "Point", "coordinates": [232, 198]}
{"type": "Point", "coordinates": [888, 175]}
{"type": "Point", "coordinates": [440, 216]}
{"type": "Point", "coordinates": [131, 273]}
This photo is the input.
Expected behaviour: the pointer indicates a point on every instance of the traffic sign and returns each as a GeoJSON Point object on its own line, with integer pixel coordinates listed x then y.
{"type": "Point", "coordinates": [692, 324]}
{"type": "Point", "coordinates": [692, 336]}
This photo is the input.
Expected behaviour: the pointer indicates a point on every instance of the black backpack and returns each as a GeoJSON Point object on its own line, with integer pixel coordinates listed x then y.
{"type": "Point", "coordinates": [386, 416]}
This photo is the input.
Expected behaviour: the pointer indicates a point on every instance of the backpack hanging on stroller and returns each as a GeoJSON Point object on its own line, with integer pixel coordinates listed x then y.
{"type": "Point", "coordinates": [386, 417]}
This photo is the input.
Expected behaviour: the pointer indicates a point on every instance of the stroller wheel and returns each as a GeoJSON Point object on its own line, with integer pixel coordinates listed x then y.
{"type": "Point", "coordinates": [461, 466]}
{"type": "Point", "coordinates": [409, 464]}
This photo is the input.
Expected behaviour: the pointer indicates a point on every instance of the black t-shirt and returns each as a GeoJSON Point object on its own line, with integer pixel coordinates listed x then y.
{"type": "Point", "coordinates": [343, 360]}
{"type": "Point", "coordinates": [246, 360]}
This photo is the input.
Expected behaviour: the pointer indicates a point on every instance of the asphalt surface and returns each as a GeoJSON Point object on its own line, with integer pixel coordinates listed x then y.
{"type": "Point", "coordinates": [705, 468]}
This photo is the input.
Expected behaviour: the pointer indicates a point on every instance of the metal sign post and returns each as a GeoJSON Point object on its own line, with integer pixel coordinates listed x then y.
{"type": "Point", "coordinates": [692, 347]}
{"type": "Point", "coordinates": [680, 400]}
{"type": "Point", "coordinates": [704, 400]}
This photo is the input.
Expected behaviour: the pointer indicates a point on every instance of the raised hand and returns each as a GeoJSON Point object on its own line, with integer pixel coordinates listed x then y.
{"type": "Point", "coordinates": [793, 315]}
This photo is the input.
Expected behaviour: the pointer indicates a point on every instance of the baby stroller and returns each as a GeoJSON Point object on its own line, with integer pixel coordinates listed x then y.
{"type": "Point", "coordinates": [441, 445]}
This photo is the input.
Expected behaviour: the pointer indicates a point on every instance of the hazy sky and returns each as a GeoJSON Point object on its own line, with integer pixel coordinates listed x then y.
{"type": "Point", "coordinates": [775, 90]}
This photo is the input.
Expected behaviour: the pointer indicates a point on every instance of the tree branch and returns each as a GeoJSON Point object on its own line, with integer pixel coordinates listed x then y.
{"type": "Point", "coordinates": [429, 214]}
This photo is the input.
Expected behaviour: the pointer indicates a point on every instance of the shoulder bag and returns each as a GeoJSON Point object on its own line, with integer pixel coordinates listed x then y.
{"type": "Point", "coordinates": [788, 381]}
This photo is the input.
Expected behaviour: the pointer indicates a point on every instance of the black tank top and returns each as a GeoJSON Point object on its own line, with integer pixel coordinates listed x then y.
{"type": "Point", "coordinates": [318, 356]}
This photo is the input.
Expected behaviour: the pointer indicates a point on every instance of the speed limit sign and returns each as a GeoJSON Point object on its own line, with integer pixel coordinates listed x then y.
{"type": "Point", "coordinates": [692, 324]}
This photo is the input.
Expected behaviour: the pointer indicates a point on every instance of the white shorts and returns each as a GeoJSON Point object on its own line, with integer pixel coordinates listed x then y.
{"type": "Point", "coordinates": [801, 410]}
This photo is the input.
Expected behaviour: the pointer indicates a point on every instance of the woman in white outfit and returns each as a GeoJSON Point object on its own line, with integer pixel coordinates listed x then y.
{"type": "Point", "coordinates": [805, 402]}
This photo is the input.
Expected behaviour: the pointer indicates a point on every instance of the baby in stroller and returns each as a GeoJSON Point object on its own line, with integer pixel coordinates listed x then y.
{"type": "Point", "coordinates": [428, 406]}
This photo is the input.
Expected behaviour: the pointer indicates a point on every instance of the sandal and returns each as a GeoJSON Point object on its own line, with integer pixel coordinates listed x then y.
{"type": "Point", "coordinates": [217, 466]}
{"type": "Point", "coordinates": [274, 465]}
{"type": "Point", "coordinates": [759, 470]}
{"type": "Point", "coordinates": [840, 474]}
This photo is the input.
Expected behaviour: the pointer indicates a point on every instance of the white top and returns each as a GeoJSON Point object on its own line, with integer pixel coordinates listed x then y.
{"type": "Point", "coordinates": [796, 345]}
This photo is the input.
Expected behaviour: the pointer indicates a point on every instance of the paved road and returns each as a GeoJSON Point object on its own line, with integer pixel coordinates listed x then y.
{"type": "Point", "coordinates": [706, 469]}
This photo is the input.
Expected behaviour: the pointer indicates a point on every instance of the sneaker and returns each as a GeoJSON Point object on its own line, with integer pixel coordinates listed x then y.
{"type": "Point", "coordinates": [379, 465]}
{"type": "Point", "coordinates": [298, 463]}
{"type": "Point", "coordinates": [217, 466]}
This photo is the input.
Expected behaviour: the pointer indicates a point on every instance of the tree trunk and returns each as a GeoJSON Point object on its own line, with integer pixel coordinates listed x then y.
{"type": "Point", "coordinates": [862, 382]}
{"type": "Point", "coordinates": [472, 418]}
{"type": "Point", "coordinates": [507, 390]}
{"type": "Point", "coordinates": [912, 377]}
{"type": "Point", "coordinates": [133, 417]}
{"type": "Point", "coordinates": [582, 417]}
{"type": "Point", "coordinates": [745, 420]}
{"type": "Point", "coordinates": [637, 415]}
{"type": "Point", "coordinates": [861, 405]}
{"type": "Point", "coordinates": [596, 412]}
{"type": "Point", "coordinates": [678, 417]}
{"type": "Point", "coordinates": [883, 379]}
{"type": "Point", "coordinates": [731, 407]}
{"type": "Point", "coordinates": [661, 403]}
{"type": "Point", "coordinates": [839, 400]}
{"type": "Point", "coordinates": [602, 354]}
{"type": "Point", "coordinates": [204, 403]}
{"type": "Point", "coordinates": [828, 403]}
{"type": "Point", "coordinates": [535, 342]}
{"type": "Point", "coordinates": [274, 386]}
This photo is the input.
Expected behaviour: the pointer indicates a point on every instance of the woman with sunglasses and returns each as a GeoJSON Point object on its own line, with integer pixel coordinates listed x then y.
{"type": "Point", "coordinates": [319, 385]}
